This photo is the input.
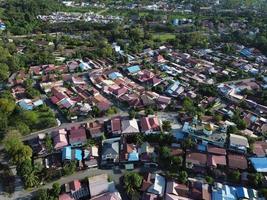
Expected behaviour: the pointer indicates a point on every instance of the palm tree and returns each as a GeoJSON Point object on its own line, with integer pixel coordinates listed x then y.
{"type": "Point", "coordinates": [132, 182]}
{"type": "Point", "coordinates": [31, 180]}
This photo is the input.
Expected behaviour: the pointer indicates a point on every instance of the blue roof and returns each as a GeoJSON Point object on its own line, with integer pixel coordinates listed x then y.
{"type": "Point", "coordinates": [242, 193]}
{"type": "Point", "coordinates": [66, 153]}
{"type": "Point", "coordinates": [78, 154]}
{"type": "Point", "coordinates": [134, 69]}
{"type": "Point", "coordinates": [115, 75]}
{"type": "Point", "coordinates": [25, 106]}
{"type": "Point", "coordinates": [246, 52]}
{"type": "Point", "coordinates": [201, 147]}
{"type": "Point", "coordinates": [173, 87]}
{"type": "Point", "coordinates": [259, 164]}
{"type": "Point", "coordinates": [134, 156]}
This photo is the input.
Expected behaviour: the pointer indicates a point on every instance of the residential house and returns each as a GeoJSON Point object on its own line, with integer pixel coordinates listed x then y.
{"type": "Point", "coordinates": [60, 139]}
{"type": "Point", "coordinates": [115, 126]}
{"type": "Point", "coordinates": [236, 161]}
{"type": "Point", "coordinates": [71, 154]}
{"type": "Point", "coordinates": [133, 69]}
{"type": "Point", "coordinates": [150, 125]}
{"type": "Point", "coordinates": [154, 184]}
{"type": "Point", "coordinates": [77, 136]}
{"type": "Point", "coordinates": [147, 152]}
{"type": "Point", "coordinates": [259, 164]}
{"type": "Point", "coordinates": [99, 185]}
{"type": "Point", "coordinates": [95, 129]}
{"type": "Point", "coordinates": [260, 148]}
{"type": "Point", "coordinates": [220, 191]}
{"type": "Point", "coordinates": [110, 150]}
{"type": "Point", "coordinates": [90, 156]}
{"type": "Point", "coordinates": [129, 126]}
{"type": "Point", "coordinates": [196, 159]}
{"type": "Point", "coordinates": [129, 153]}
{"type": "Point", "coordinates": [199, 190]}
{"type": "Point", "coordinates": [238, 143]}
{"type": "Point", "coordinates": [108, 196]}
{"type": "Point", "coordinates": [65, 196]}
{"type": "Point", "coordinates": [176, 191]}
{"type": "Point", "coordinates": [215, 161]}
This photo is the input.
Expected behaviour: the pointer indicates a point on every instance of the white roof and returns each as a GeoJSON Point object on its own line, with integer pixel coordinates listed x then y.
{"type": "Point", "coordinates": [130, 126]}
{"type": "Point", "coordinates": [158, 186]}
{"type": "Point", "coordinates": [238, 140]}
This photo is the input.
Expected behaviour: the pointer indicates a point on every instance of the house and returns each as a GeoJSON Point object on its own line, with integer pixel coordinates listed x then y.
{"type": "Point", "coordinates": [215, 150]}
{"type": "Point", "coordinates": [175, 191]}
{"type": "Point", "coordinates": [66, 153]}
{"type": "Point", "coordinates": [199, 190]}
{"type": "Point", "coordinates": [220, 191]}
{"type": "Point", "coordinates": [236, 161]}
{"type": "Point", "coordinates": [133, 69]}
{"type": "Point", "coordinates": [129, 126]}
{"type": "Point", "coordinates": [95, 129]}
{"type": "Point", "coordinates": [150, 125]}
{"type": "Point", "coordinates": [53, 161]}
{"type": "Point", "coordinates": [158, 187]}
{"type": "Point", "coordinates": [260, 148]}
{"type": "Point", "coordinates": [216, 161]}
{"type": "Point", "coordinates": [130, 153]}
{"type": "Point", "coordinates": [115, 75]}
{"type": "Point", "coordinates": [77, 136]}
{"type": "Point", "coordinates": [238, 142]}
{"type": "Point", "coordinates": [65, 196]}
{"type": "Point", "coordinates": [90, 156]}
{"type": "Point", "coordinates": [60, 139]}
{"type": "Point", "coordinates": [175, 89]}
{"type": "Point", "coordinates": [99, 185]}
{"type": "Point", "coordinates": [28, 104]}
{"type": "Point", "coordinates": [110, 150]}
{"type": "Point", "coordinates": [115, 126]}
{"type": "Point", "coordinates": [147, 152]}
{"type": "Point", "coordinates": [259, 164]}
{"type": "Point", "coordinates": [196, 159]}
{"type": "Point", "coordinates": [108, 196]}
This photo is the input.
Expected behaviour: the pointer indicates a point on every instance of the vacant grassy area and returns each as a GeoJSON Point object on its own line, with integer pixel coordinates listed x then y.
{"type": "Point", "coordinates": [163, 36]}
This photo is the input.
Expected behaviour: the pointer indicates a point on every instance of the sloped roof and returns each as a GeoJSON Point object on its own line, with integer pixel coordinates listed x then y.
{"type": "Point", "coordinates": [130, 126]}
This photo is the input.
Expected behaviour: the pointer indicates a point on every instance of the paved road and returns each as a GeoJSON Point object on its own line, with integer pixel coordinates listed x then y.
{"type": "Point", "coordinates": [236, 81]}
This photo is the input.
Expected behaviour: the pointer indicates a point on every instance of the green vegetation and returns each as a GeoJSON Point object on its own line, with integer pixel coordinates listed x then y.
{"type": "Point", "coordinates": [132, 183]}
{"type": "Point", "coordinates": [163, 37]}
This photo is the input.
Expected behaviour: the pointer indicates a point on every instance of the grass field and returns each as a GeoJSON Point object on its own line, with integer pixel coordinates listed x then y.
{"type": "Point", "coordinates": [163, 36]}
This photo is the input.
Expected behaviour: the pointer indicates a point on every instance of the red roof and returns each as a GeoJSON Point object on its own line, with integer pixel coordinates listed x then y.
{"type": "Point", "coordinates": [54, 100]}
{"type": "Point", "coordinates": [115, 124]}
{"type": "Point", "coordinates": [75, 185]}
{"type": "Point", "coordinates": [214, 160]}
{"type": "Point", "coordinates": [65, 197]}
{"type": "Point", "coordinates": [77, 135]}
{"type": "Point", "coordinates": [151, 123]}
{"type": "Point", "coordinates": [237, 161]}
{"type": "Point", "coordinates": [216, 150]}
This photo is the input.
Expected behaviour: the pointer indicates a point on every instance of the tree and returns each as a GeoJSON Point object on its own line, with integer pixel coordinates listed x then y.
{"type": "Point", "coordinates": [209, 180]}
{"type": "Point", "coordinates": [132, 182]}
{"type": "Point", "coordinates": [235, 176]}
{"type": "Point", "coordinates": [4, 72]}
{"type": "Point", "coordinates": [31, 180]}
{"type": "Point", "coordinates": [149, 111]}
{"type": "Point", "coordinates": [69, 168]}
{"type": "Point", "coordinates": [132, 113]}
{"type": "Point", "coordinates": [42, 194]}
{"type": "Point", "coordinates": [32, 93]}
{"type": "Point", "coordinates": [48, 144]}
{"type": "Point", "coordinates": [25, 168]}
{"type": "Point", "coordinates": [176, 162]}
{"type": "Point", "coordinates": [182, 176]}
{"type": "Point", "coordinates": [166, 126]}
{"type": "Point", "coordinates": [7, 106]}
{"type": "Point", "coordinates": [188, 143]}
{"type": "Point", "coordinates": [55, 190]}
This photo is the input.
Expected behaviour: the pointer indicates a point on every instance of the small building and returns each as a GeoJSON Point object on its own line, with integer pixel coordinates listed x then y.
{"type": "Point", "coordinates": [150, 125]}
{"type": "Point", "coordinates": [95, 129]}
{"type": "Point", "coordinates": [133, 69]}
{"type": "Point", "coordinates": [259, 164]}
{"type": "Point", "coordinates": [60, 139]}
{"type": "Point", "coordinates": [238, 142]}
{"type": "Point", "coordinates": [236, 161]}
{"type": "Point", "coordinates": [158, 186]}
{"type": "Point", "coordinates": [129, 126]}
{"type": "Point", "coordinates": [77, 136]}
{"type": "Point", "coordinates": [115, 126]}
{"type": "Point", "coordinates": [110, 151]}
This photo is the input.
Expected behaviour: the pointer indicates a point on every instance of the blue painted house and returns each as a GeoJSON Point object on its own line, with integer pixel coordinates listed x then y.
{"type": "Point", "coordinates": [133, 156]}
{"type": "Point", "coordinates": [259, 164]}
{"type": "Point", "coordinates": [66, 153]}
{"type": "Point", "coordinates": [133, 69]}
{"type": "Point", "coordinates": [115, 75]}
